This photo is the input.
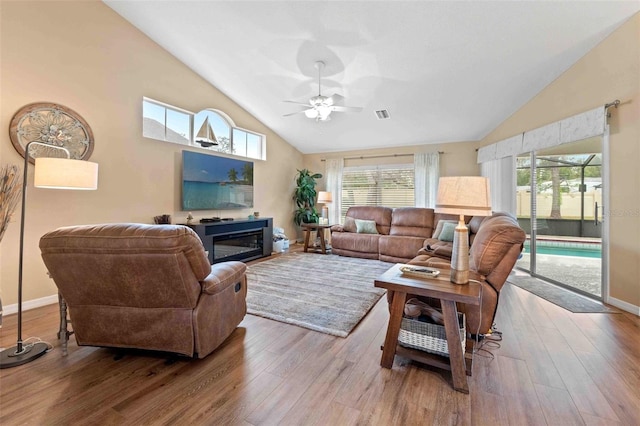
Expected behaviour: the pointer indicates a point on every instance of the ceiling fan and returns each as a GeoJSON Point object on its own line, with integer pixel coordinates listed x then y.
{"type": "Point", "coordinates": [320, 107]}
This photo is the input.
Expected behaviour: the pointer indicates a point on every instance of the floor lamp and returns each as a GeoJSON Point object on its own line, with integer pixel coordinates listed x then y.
{"type": "Point", "coordinates": [54, 173]}
{"type": "Point", "coordinates": [462, 195]}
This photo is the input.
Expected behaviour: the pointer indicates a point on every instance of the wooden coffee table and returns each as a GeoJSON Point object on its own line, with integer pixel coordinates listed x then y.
{"type": "Point", "coordinates": [398, 286]}
{"type": "Point", "coordinates": [308, 227]}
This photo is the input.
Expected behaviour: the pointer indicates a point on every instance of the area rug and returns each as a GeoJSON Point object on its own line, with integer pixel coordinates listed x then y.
{"type": "Point", "coordinates": [557, 295]}
{"type": "Point", "coordinates": [326, 293]}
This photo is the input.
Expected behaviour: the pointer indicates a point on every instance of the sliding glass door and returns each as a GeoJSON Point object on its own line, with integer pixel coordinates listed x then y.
{"type": "Point", "coordinates": [559, 204]}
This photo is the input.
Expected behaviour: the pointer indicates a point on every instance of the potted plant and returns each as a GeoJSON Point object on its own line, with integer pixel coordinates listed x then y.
{"type": "Point", "coordinates": [305, 197]}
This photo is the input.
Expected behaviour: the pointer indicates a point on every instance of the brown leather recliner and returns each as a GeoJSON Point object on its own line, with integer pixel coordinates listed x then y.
{"type": "Point", "coordinates": [145, 287]}
{"type": "Point", "coordinates": [496, 246]}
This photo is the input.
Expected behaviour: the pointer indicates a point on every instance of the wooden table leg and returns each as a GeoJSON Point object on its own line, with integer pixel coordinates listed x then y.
{"type": "Point", "coordinates": [456, 354]}
{"type": "Point", "coordinates": [393, 329]}
{"type": "Point", "coordinates": [322, 244]}
{"type": "Point", "coordinates": [307, 233]}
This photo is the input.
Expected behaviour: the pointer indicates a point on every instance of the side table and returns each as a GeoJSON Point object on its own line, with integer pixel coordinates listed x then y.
{"type": "Point", "coordinates": [308, 227]}
{"type": "Point", "coordinates": [398, 286]}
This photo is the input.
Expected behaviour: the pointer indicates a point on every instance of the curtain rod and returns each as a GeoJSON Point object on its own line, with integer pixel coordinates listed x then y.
{"type": "Point", "coordinates": [362, 157]}
{"type": "Point", "coordinates": [612, 104]}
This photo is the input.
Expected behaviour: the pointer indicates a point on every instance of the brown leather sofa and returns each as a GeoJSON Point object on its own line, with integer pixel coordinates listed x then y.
{"type": "Point", "coordinates": [405, 235]}
{"type": "Point", "coordinates": [144, 286]}
{"type": "Point", "coordinates": [401, 233]}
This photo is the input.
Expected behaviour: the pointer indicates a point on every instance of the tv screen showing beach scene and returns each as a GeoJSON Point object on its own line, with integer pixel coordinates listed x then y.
{"type": "Point", "coordinates": [215, 183]}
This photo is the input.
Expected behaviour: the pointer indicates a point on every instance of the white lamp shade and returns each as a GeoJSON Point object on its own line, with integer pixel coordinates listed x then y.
{"type": "Point", "coordinates": [324, 197]}
{"type": "Point", "coordinates": [63, 173]}
{"type": "Point", "coordinates": [464, 195]}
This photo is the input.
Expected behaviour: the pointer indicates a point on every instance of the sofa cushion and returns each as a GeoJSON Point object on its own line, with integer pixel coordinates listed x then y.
{"type": "Point", "coordinates": [361, 243]}
{"type": "Point", "coordinates": [412, 222]}
{"type": "Point", "coordinates": [438, 230]}
{"type": "Point", "coordinates": [382, 216]}
{"type": "Point", "coordinates": [399, 248]}
{"type": "Point", "coordinates": [474, 224]}
{"type": "Point", "coordinates": [448, 231]}
{"type": "Point", "coordinates": [366, 226]}
{"type": "Point", "coordinates": [349, 224]}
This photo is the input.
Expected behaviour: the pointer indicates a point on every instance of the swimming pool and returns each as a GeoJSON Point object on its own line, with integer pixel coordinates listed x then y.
{"type": "Point", "coordinates": [562, 248]}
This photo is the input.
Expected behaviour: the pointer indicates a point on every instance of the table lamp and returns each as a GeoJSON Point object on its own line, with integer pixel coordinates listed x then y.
{"type": "Point", "coordinates": [462, 195]}
{"type": "Point", "coordinates": [325, 198]}
{"type": "Point", "coordinates": [53, 173]}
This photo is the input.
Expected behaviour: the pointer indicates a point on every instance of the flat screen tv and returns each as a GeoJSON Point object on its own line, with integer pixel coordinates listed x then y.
{"type": "Point", "coordinates": [210, 182]}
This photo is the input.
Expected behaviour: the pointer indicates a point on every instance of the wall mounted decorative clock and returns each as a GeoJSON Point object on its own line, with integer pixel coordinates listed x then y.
{"type": "Point", "coordinates": [51, 124]}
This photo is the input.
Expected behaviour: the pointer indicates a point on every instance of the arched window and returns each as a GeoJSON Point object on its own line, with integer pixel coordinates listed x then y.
{"type": "Point", "coordinates": [212, 130]}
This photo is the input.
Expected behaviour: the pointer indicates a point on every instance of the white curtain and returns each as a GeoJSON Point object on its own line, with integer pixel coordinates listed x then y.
{"type": "Point", "coordinates": [502, 183]}
{"type": "Point", "coordinates": [427, 172]}
{"type": "Point", "coordinates": [606, 183]}
{"type": "Point", "coordinates": [333, 178]}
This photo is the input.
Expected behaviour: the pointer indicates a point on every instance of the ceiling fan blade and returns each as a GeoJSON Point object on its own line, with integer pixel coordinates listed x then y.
{"type": "Point", "coordinates": [340, 108]}
{"type": "Point", "coordinates": [335, 98]}
{"type": "Point", "coordinates": [294, 113]}
{"type": "Point", "coordinates": [298, 103]}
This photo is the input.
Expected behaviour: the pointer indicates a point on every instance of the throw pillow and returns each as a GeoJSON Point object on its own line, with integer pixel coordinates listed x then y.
{"type": "Point", "coordinates": [349, 224]}
{"type": "Point", "coordinates": [366, 226]}
{"type": "Point", "coordinates": [448, 230]}
{"type": "Point", "coordinates": [439, 226]}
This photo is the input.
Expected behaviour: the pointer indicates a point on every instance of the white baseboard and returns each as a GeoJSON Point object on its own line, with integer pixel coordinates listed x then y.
{"type": "Point", "coordinates": [30, 304]}
{"type": "Point", "coordinates": [625, 306]}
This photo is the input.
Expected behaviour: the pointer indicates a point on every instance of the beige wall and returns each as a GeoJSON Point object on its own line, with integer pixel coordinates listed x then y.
{"type": "Point", "coordinates": [457, 159]}
{"type": "Point", "coordinates": [86, 57]}
{"type": "Point", "coordinates": [610, 71]}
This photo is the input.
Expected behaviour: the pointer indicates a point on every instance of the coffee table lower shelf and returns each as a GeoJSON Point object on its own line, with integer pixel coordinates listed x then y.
{"type": "Point", "coordinates": [434, 360]}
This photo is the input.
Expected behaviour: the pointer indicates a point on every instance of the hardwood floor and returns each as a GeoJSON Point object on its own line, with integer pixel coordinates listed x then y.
{"type": "Point", "coordinates": [552, 367]}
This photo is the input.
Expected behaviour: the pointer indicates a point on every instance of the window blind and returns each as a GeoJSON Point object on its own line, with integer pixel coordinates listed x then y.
{"type": "Point", "coordinates": [384, 185]}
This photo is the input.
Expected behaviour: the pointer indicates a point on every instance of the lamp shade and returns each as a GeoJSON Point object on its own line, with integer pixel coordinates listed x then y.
{"type": "Point", "coordinates": [324, 197]}
{"type": "Point", "coordinates": [63, 173]}
{"type": "Point", "coordinates": [464, 195]}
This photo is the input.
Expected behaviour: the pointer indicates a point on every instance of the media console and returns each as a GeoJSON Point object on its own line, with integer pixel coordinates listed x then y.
{"type": "Point", "coordinates": [239, 239]}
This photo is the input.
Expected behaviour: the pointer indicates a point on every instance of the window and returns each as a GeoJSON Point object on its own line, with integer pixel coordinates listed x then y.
{"type": "Point", "coordinates": [247, 144]}
{"type": "Point", "coordinates": [209, 129]}
{"type": "Point", "coordinates": [166, 123]}
{"type": "Point", "coordinates": [213, 131]}
{"type": "Point", "coordinates": [388, 185]}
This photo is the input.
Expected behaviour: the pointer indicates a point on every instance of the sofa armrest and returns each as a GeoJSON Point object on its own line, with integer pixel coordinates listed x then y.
{"type": "Point", "coordinates": [223, 275]}
{"type": "Point", "coordinates": [337, 228]}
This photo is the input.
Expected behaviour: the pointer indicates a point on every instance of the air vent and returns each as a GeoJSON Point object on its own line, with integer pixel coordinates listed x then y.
{"type": "Point", "coordinates": [383, 114]}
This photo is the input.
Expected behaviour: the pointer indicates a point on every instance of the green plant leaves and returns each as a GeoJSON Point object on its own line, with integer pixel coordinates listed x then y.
{"type": "Point", "coordinates": [305, 197]}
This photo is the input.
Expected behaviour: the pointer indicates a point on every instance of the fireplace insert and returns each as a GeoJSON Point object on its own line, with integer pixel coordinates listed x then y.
{"type": "Point", "coordinates": [237, 246]}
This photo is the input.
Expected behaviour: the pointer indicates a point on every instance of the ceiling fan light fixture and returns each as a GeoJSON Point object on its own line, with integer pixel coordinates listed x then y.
{"type": "Point", "coordinates": [311, 113]}
{"type": "Point", "coordinates": [324, 110]}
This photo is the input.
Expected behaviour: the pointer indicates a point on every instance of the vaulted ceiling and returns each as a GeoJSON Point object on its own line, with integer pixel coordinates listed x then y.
{"type": "Point", "coordinates": [445, 71]}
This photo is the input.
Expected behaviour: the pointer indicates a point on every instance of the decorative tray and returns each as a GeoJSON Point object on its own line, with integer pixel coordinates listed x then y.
{"type": "Point", "coordinates": [419, 271]}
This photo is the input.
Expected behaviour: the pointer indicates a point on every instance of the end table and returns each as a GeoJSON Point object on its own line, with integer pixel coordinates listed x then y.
{"type": "Point", "coordinates": [308, 227]}
{"type": "Point", "coordinates": [398, 286]}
